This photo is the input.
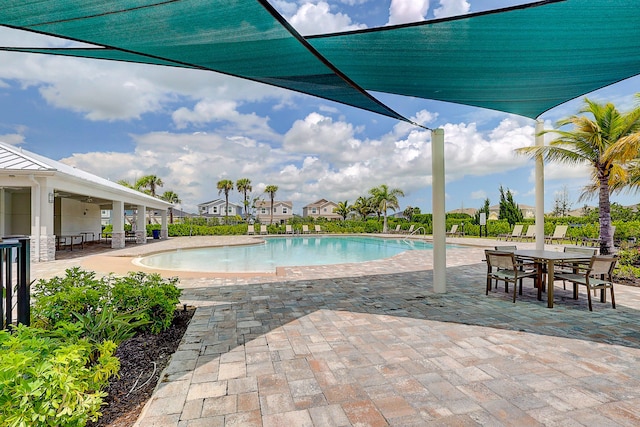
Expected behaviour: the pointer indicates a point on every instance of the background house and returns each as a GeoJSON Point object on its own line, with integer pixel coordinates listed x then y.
{"type": "Point", "coordinates": [282, 211]}
{"type": "Point", "coordinates": [216, 209]}
{"type": "Point", "coordinates": [321, 208]}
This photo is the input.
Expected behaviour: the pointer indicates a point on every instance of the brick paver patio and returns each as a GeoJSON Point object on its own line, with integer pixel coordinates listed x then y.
{"type": "Point", "coordinates": [370, 344]}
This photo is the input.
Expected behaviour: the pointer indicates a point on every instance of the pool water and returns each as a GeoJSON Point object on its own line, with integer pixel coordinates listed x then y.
{"type": "Point", "coordinates": [282, 252]}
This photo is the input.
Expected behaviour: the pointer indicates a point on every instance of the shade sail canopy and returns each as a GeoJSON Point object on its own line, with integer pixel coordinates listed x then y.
{"type": "Point", "coordinates": [523, 60]}
{"type": "Point", "coordinates": [247, 39]}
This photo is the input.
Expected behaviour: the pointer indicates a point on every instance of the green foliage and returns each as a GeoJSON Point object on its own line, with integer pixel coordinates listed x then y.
{"type": "Point", "coordinates": [146, 301]}
{"type": "Point", "coordinates": [56, 299]}
{"type": "Point", "coordinates": [109, 325]}
{"type": "Point", "coordinates": [508, 208]}
{"type": "Point", "coordinates": [46, 378]}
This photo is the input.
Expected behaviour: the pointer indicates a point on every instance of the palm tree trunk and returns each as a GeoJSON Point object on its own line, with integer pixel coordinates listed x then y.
{"type": "Point", "coordinates": [604, 205]}
{"type": "Point", "coordinates": [384, 224]}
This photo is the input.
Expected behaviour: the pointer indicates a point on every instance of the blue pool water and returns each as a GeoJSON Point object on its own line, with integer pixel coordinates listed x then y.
{"type": "Point", "coordinates": [282, 252]}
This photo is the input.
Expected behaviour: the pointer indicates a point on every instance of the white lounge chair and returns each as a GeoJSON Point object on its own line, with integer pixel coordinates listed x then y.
{"type": "Point", "coordinates": [454, 230]}
{"type": "Point", "coordinates": [559, 234]}
{"type": "Point", "coordinates": [288, 229]}
{"type": "Point", "coordinates": [530, 234]}
{"type": "Point", "coordinates": [515, 233]}
{"type": "Point", "coordinates": [305, 229]}
{"type": "Point", "coordinates": [263, 229]}
{"type": "Point", "coordinates": [317, 229]}
{"type": "Point", "coordinates": [251, 229]}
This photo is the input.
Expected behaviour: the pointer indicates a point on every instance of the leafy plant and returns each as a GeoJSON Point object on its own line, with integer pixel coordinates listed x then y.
{"type": "Point", "coordinates": [47, 380]}
{"type": "Point", "coordinates": [109, 325]}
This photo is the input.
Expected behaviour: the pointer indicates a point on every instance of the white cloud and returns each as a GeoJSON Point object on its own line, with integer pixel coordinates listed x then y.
{"type": "Point", "coordinates": [479, 194]}
{"type": "Point", "coordinates": [317, 18]}
{"type": "Point", "coordinates": [403, 11]}
{"type": "Point", "coordinates": [451, 8]}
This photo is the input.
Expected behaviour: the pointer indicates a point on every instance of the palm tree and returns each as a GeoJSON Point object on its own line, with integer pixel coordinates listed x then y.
{"type": "Point", "coordinates": [363, 206]}
{"type": "Point", "coordinates": [271, 190]}
{"type": "Point", "coordinates": [148, 184]}
{"type": "Point", "coordinates": [244, 186]}
{"type": "Point", "coordinates": [126, 183]}
{"type": "Point", "coordinates": [606, 143]}
{"type": "Point", "coordinates": [225, 186]}
{"type": "Point", "coordinates": [343, 209]}
{"type": "Point", "coordinates": [171, 197]}
{"type": "Point", "coordinates": [385, 199]}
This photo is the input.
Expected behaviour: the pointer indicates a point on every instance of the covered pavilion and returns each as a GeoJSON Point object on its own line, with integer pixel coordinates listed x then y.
{"type": "Point", "coordinates": [524, 60]}
{"type": "Point", "coordinates": [53, 203]}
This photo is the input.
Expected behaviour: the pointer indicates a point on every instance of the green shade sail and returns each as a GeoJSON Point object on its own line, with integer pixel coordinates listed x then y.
{"type": "Point", "coordinates": [246, 39]}
{"type": "Point", "coordinates": [523, 60]}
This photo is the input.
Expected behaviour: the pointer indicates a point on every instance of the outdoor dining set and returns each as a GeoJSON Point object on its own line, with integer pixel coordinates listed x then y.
{"type": "Point", "coordinates": [579, 266]}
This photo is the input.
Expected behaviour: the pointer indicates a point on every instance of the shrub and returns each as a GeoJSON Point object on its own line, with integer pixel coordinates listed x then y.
{"type": "Point", "coordinates": [46, 377]}
{"type": "Point", "coordinates": [153, 297]}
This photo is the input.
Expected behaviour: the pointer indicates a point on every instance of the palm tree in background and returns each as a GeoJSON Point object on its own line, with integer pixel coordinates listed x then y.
{"type": "Point", "coordinates": [385, 199]}
{"type": "Point", "coordinates": [363, 206]}
{"type": "Point", "coordinates": [126, 183]}
{"type": "Point", "coordinates": [271, 190]}
{"type": "Point", "coordinates": [225, 186]}
{"type": "Point", "coordinates": [243, 185]}
{"type": "Point", "coordinates": [608, 143]}
{"type": "Point", "coordinates": [171, 197]}
{"type": "Point", "coordinates": [343, 209]}
{"type": "Point", "coordinates": [148, 184]}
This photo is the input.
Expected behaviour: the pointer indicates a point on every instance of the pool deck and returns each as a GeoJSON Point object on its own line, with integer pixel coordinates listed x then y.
{"type": "Point", "coordinates": [371, 344]}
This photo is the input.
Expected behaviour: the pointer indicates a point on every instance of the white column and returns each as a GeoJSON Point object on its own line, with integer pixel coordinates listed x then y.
{"type": "Point", "coordinates": [117, 220]}
{"type": "Point", "coordinates": [164, 228]}
{"type": "Point", "coordinates": [141, 224]}
{"type": "Point", "coordinates": [439, 216]}
{"type": "Point", "coordinates": [539, 188]}
{"type": "Point", "coordinates": [47, 247]}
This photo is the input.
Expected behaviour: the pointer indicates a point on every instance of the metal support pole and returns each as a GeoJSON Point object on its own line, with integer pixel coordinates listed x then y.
{"type": "Point", "coordinates": [539, 139]}
{"type": "Point", "coordinates": [439, 216]}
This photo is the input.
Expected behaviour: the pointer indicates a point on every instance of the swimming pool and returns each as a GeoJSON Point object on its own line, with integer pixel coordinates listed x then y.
{"type": "Point", "coordinates": [282, 252]}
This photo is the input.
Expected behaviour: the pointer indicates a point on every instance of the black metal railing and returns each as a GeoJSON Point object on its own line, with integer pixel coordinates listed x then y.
{"type": "Point", "coordinates": [15, 268]}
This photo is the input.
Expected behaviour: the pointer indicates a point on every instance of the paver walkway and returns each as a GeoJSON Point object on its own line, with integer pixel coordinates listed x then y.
{"type": "Point", "coordinates": [370, 344]}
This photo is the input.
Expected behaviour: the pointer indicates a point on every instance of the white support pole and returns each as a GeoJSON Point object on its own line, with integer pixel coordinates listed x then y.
{"type": "Point", "coordinates": [439, 216]}
{"type": "Point", "coordinates": [117, 220]}
{"type": "Point", "coordinates": [539, 188]}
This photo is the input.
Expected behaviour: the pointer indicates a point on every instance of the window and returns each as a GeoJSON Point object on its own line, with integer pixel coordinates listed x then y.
{"type": "Point", "coordinates": [263, 210]}
{"type": "Point", "coordinates": [313, 210]}
{"type": "Point", "coordinates": [284, 210]}
{"type": "Point", "coordinates": [215, 210]}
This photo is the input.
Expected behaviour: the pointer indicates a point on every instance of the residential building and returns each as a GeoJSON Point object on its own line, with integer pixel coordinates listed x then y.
{"type": "Point", "coordinates": [321, 208]}
{"type": "Point", "coordinates": [282, 211]}
{"type": "Point", "coordinates": [216, 209]}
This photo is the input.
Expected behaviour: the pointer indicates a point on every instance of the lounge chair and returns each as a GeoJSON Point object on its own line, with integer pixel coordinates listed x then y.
{"type": "Point", "coordinates": [317, 229]}
{"type": "Point", "coordinates": [453, 232]}
{"type": "Point", "coordinates": [530, 234]}
{"type": "Point", "coordinates": [305, 229]}
{"type": "Point", "coordinates": [410, 230]}
{"type": "Point", "coordinates": [397, 230]}
{"type": "Point", "coordinates": [263, 229]}
{"type": "Point", "coordinates": [288, 229]}
{"type": "Point", "coordinates": [586, 241]}
{"type": "Point", "coordinates": [251, 229]}
{"type": "Point", "coordinates": [559, 234]}
{"type": "Point", "coordinates": [516, 233]}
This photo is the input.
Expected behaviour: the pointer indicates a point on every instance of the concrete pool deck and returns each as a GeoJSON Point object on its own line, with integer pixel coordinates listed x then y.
{"type": "Point", "coordinates": [372, 344]}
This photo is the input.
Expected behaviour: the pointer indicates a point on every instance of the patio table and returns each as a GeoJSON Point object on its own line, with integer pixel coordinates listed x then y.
{"type": "Point", "coordinates": [550, 258]}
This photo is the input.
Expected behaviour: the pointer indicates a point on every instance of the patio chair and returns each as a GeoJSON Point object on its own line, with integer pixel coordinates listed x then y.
{"type": "Point", "coordinates": [263, 229]}
{"type": "Point", "coordinates": [559, 234]}
{"type": "Point", "coordinates": [305, 229]}
{"type": "Point", "coordinates": [530, 234]}
{"type": "Point", "coordinates": [569, 267]}
{"type": "Point", "coordinates": [251, 229]}
{"type": "Point", "coordinates": [502, 266]}
{"type": "Point", "coordinates": [590, 276]}
{"type": "Point", "coordinates": [317, 229]}
{"type": "Point", "coordinates": [397, 230]}
{"type": "Point", "coordinates": [288, 229]}
{"type": "Point", "coordinates": [515, 233]}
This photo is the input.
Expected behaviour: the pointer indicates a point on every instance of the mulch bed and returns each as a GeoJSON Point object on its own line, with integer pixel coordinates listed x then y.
{"type": "Point", "coordinates": [142, 360]}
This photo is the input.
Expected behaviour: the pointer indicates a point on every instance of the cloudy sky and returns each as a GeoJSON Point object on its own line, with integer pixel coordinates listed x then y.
{"type": "Point", "coordinates": [194, 128]}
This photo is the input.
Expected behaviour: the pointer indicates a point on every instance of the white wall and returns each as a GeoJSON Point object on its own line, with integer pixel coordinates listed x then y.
{"type": "Point", "coordinates": [77, 217]}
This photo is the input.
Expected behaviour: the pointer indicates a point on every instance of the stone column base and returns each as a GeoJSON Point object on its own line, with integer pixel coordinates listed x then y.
{"type": "Point", "coordinates": [164, 234]}
{"type": "Point", "coordinates": [141, 236]}
{"type": "Point", "coordinates": [117, 240]}
{"type": "Point", "coordinates": [47, 249]}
